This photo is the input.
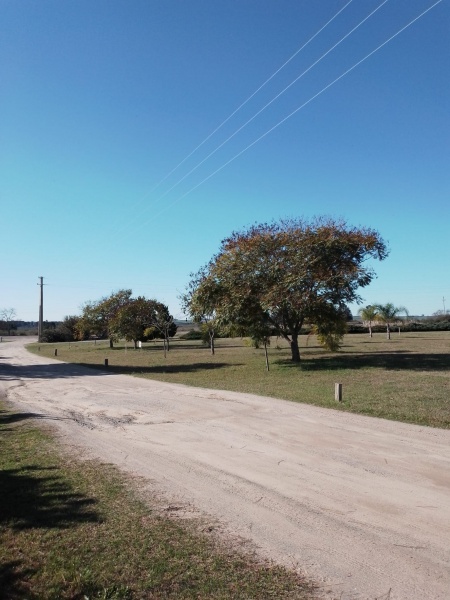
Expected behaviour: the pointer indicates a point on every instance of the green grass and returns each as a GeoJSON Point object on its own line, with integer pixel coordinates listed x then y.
{"type": "Point", "coordinates": [76, 530]}
{"type": "Point", "coordinates": [406, 378]}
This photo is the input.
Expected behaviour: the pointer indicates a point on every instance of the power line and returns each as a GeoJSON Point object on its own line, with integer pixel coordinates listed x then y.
{"type": "Point", "coordinates": [272, 101]}
{"type": "Point", "coordinates": [208, 137]}
{"type": "Point", "coordinates": [295, 111]}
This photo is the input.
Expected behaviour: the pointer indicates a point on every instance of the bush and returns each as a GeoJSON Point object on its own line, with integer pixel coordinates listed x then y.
{"type": "Point", "coordinates": [193, 334]}
{"type": "Point", "coordinates": [52, 336]}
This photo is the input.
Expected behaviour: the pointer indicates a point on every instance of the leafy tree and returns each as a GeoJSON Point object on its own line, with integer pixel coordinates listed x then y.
{"type": "Point", "coordinates": [163, 323]}
{"type": "Point", "coordinates": [69, 327]}
{"type": "Point", "coordinates": [285, 274]}
{"type": "Point", "coordinates": [331, 328]}
{"type": "Point", "coordinates": [97, 317]}
{"type": "Point", "coordinates": [199, 303]}
{"type": "Point", "coordinates": [389, 315]}
{"type": "Point", "coordinates": [141, 319]}
{"type": "Point", "coordinates": [369, 316]}
{"type": "Point", "coordinates": [132, 319]}
{"type": "Point", "coordinates": [260, 333]}
{"type": "Point", "coordinates": [8, 316]}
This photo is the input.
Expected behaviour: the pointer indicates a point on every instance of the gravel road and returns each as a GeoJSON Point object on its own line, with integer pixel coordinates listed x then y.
{"type": "Point", "coordinates": [361, 505]}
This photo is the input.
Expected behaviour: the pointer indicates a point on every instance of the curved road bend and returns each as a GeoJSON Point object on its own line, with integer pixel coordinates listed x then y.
{"type": "Point", "coordinates": [362, 505]}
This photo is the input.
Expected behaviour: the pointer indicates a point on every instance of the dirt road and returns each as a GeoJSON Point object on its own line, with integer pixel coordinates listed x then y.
{"type": "Point", "coordinates": [361, 504]}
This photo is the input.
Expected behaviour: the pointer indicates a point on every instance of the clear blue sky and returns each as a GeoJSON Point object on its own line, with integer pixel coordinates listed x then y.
{"type": "Point", "coordinates": [101, 99]}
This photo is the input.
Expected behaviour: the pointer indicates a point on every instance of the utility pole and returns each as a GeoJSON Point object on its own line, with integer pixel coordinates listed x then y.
{"type": "Point", "coordinates": [41, 310]}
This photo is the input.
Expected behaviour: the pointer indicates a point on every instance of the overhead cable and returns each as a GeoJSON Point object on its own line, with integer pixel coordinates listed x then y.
{"type": "Point", "coordinates": [273, 100]}
{"type": "Point", "coordinates": [295, 111]}
{"type": "Point", "coordinates": [238, 109]}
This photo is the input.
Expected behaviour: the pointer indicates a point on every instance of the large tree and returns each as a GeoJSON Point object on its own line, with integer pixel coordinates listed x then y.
{"type": "Point", "coordinates": [96, 317]}
{"type": "Point", "coordinates": [288, 273]}
{"type": "Point", "coordinates": [132, 319]}
{"type": "Point", "coordinates": [199, 302]}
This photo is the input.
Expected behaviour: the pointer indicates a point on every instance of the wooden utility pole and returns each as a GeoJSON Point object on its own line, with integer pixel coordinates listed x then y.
{"type": "Point", "coordinates": [41, 310]}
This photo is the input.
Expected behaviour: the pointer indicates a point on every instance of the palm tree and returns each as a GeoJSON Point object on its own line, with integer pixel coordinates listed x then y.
{"type": "Point", "coordinates": [389, 314]}
{"type": "Point", "coordinates": [368, 315]}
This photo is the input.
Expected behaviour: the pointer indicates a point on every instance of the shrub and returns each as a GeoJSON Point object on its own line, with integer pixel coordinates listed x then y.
{"type": "Point", "coordinates": [193, 334]}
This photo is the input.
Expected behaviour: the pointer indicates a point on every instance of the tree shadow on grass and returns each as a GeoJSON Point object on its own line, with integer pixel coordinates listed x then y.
{"type": "Point", "coordinates": [401, 360]}
{"type": "Point", "coordinates": [12, 581]}
{"type": "Point", "coordinates": [35, 496]}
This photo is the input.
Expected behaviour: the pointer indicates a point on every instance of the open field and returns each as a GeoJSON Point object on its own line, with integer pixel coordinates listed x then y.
{"type": "Point", "coordinates": [72, 529]}
{"type": "Point", "coordinates": [406, 378]}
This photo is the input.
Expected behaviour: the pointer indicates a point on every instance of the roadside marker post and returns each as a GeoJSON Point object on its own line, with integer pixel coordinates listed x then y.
{"type": "Point", "coordinates": [338, 392]}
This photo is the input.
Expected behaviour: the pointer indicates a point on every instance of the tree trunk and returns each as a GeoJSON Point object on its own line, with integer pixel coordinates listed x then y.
{"type": "Point", "coordinates": [267, 358]}
{"type": "Point", "coordinates": [370, 329]}
{"type": "Point", "coordinates": [111, 343]}
{"type": "Point", "coordinates": [211, 338]}
{"type": "Point", "coordinates": [135, 344]}
{"type": "Point", "coordinates": [388, 332]}
{"type": "Point", "coordinates": [295, 349]}
{"type": "Point", "coordinates": [167, 339]}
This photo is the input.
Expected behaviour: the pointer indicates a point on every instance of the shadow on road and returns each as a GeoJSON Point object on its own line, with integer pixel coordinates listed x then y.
{"type": "Point", "coordinates": [10, 372]}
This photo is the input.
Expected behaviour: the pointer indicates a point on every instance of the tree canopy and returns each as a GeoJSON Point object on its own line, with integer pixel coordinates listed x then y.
{"type": "Point", "coordinates": [285, 274]}
{"type": "Point", "coordinates": [97, 316]}
{"type": "Point", "coordinates": [121, 316]}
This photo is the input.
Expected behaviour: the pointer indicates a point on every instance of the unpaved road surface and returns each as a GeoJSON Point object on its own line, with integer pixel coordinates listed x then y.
{"type": "Point", "coordinates": [362, 505]}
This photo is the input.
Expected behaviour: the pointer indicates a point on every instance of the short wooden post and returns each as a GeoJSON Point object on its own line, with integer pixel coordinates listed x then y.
{"type": "Point", "coordinates": [106, 362]}
{"type": "Point", "coordinates": [56, 351]}
{"type": "Point", "coordinates": [338, 392]}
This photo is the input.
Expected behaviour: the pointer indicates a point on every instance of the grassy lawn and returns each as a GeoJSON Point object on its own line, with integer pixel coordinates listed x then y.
{"type": "Point", "coordinates": [74, 530]}
{"type": "Point", "coordinates": [406, 378]}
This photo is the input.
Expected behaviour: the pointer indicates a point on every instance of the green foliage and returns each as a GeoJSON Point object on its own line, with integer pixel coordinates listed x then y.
{"type": "Point", "coordinates": [132, 319]}
{"type": "Point", "coordinates": [66, 331]}
{"type": "Point", "coordinates": [285, 274]}
{"type": "Point", "coordinates": [389, 315]}
{"type": "Point", "coordinates": [193, 334]}
{"type": "Point", "coordinates": [368, 315]}
{"type": "Point", "coordinates": [330, 334]}
{"type": "Point", "coordinates": [97, 317]}
{"type": "Point", "coordinates": [121, 316]}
